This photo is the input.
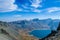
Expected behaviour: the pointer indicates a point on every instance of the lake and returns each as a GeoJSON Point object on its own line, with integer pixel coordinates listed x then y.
{"type": "Point", "coordinates": [40, 33]}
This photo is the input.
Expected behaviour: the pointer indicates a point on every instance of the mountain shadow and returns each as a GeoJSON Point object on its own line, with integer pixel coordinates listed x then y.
{"type": "Point", "coordinates": [52, 33]}
{"type": "Point", "coordinates": [58, 27]}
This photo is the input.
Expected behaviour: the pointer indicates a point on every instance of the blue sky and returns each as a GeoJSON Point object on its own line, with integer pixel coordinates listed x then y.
{"type": "Point", "coordinates": [13, 10]}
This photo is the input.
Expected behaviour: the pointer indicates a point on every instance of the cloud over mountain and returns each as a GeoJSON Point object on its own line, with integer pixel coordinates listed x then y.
{"type": "Point", "coordinates": [7, 5]}
{"type": "Point", "coordinates": [36, 3]}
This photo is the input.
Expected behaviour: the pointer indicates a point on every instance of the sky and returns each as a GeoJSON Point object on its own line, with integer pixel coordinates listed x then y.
{"type": "Point", "coordinates": [14, 10]}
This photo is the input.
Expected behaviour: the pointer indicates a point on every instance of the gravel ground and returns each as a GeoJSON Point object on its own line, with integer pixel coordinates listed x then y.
{"type": "Point", "coordinates": [4, 37]}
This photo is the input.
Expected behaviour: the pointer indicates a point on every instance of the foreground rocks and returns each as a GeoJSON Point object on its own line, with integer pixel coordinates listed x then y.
{"type": "Point", "coordinates": [5, 37]}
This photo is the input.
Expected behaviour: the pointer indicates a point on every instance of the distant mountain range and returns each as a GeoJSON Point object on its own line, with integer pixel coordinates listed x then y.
{"type": "Point", "coordinates": [36, 24]}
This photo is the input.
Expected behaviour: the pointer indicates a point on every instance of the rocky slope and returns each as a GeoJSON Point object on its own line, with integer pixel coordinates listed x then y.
{"type": "Point", "coordinates": [10, 32]}
{"type": "Point", "coordinates": [55, 35]}
{"type": "Point", "coordinates": [5, 37]}
{"type": "Point", "coordinates": [19, 30]}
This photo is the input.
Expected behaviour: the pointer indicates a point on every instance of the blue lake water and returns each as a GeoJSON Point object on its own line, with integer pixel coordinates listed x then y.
{"type": "Point", "coordinates": [40, 33]}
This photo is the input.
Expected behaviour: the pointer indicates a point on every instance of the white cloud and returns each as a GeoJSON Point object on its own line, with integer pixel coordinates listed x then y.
{"type": "Point", "coordinates": [36, 3]}
{"type": "Point", "coordinates": [31, 10]}
{"type": "Point", "coordinates": [20, 9]}
{"type": "Point", "coordinates": [36, 10]}
{"type": "Point", "coordinates": [16, 16]}
{"type": "Point", "coordinates": [12, 18]}
{"type": "Point", "coordinates": [53, 9]}
{"type": "Point", "coordinates": [7, 5]}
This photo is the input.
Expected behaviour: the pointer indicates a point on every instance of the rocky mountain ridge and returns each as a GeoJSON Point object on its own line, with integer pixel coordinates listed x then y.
{"type": "Point", "coordinates": [19, 30]}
